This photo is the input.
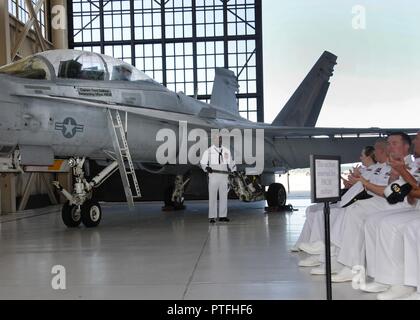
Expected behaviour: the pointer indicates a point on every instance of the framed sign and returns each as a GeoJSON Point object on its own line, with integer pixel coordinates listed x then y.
{"type": "Point", "coordinates": [325, 178]}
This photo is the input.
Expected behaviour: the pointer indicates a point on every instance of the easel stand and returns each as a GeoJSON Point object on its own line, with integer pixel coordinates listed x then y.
{"type": "Point", "coordinates": [327, 249]}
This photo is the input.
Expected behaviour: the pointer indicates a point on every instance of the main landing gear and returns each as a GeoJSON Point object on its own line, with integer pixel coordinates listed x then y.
{"type": "Point", "coordinates": [174, 194]}
{"type": "Point", "coordinates": [276, 197]}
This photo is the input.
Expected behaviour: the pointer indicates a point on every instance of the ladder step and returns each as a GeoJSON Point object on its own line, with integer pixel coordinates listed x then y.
{"type": "Point", "coordinates": [123, 151]}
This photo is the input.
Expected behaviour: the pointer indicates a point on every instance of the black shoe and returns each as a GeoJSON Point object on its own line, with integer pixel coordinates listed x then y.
{"type": "Point", "coordinates": [224, 219]}
{"type": "Point", "coordinates": [212, 220]}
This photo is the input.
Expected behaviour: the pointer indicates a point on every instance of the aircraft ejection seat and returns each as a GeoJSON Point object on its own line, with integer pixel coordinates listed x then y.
{"type": "Point", "coordinates": [69, 69]}
{"type": "Point", "coordinates": [121, 73]}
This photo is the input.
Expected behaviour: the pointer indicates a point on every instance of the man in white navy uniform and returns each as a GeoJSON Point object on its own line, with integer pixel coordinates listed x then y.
{"type": "Point", "coordinates": [218, 163]}
{"type": "Point", "coordinates": [351, 236]}
{"type": "Point", "coordinates": [385, 238]}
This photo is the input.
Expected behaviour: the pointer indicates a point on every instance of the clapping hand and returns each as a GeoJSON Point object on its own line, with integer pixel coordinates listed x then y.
{"type": "Point", "coordinates": [353, 180]}
{"type": "Point", "coordinates": [346, 183]}
{"type": "Point", "coordinates": [397, 164]}
{"type": "Point", "coordinates": [356, 172]}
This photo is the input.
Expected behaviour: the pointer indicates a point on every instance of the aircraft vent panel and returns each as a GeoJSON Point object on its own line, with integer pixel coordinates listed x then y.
{"type": "Point", "coordinates": [36, 155]}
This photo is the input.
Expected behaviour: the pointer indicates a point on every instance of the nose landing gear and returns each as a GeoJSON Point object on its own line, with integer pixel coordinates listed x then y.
{"type": "Point", "coordinates": [80, 207]}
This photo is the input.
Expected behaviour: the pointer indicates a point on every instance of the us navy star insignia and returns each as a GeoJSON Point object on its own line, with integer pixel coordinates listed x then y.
{"type": "Point", "coordinates": [69, 128]}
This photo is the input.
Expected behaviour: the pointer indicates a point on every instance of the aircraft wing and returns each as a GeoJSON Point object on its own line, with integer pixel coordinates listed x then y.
{"type": "Point", "coordinates": [284, 132]}
{"type": "Point", "coordinates": [293, 146]}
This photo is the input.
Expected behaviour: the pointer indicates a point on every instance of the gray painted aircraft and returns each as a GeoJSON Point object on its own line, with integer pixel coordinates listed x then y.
{"type": "Point", "coordinates": [74, 105]}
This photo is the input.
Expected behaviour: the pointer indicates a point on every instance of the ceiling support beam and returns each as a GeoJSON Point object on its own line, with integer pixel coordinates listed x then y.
{"type": "Point", "coordinates": [5, 48]}
{"type": "Point", "coordinates": [22, 36]}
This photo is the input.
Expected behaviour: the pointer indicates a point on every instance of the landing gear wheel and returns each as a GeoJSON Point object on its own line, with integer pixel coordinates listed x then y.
{"type": "Point", "coordinates": [91, 214]}
{"type": "Point", "coordinates": [276, 195]}
{"type": "Point", "coordinates": [71, 215]}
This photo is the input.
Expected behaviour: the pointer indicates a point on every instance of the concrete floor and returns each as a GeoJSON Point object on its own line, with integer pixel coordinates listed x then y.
{"type": "Point", "coordinates": [149, 254]}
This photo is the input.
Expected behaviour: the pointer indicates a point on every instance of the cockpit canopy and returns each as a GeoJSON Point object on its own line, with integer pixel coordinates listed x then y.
{"type": "Point", "coordinates": [73, 64]}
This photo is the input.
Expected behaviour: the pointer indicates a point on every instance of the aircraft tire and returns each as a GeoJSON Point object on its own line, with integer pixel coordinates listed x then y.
{"type": "Point", "coordinates": [276, 195]}
{"type": "Point", "coordinates": [91, 214]}
{"type": "Point", "coordinates": [71, 215]}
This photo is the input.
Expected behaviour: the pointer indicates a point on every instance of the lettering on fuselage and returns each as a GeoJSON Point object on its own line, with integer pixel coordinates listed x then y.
{"type": "Point", "coordinates": [90, 92]}
{"type": "Point", "coordinates": [69, 128]}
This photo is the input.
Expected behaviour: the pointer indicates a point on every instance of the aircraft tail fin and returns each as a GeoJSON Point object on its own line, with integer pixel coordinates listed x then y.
{"type": "Point", "coordinates": [225, 88]}
{"type": "Point", "coordinates": [304, 107]}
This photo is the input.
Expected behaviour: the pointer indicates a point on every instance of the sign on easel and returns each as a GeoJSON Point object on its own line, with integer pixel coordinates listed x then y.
{"type": "Point", "coordinates": [326, 188]}
{"type": "Point", "coordinates": [325, 178]}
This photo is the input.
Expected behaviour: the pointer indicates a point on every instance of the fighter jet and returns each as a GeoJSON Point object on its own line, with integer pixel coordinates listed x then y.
{"type": "Point", "coordinates": [75, 105]}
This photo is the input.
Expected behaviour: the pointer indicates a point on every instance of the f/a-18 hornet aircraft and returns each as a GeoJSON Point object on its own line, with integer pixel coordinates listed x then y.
{"type": "Point", "coordinates": [75, 105]}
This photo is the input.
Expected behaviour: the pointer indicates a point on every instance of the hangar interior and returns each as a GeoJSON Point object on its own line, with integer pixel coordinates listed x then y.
{"type": "Point", "coordinates": [177, 43]}
{"type": "Point", "coordinates": [148, 253]}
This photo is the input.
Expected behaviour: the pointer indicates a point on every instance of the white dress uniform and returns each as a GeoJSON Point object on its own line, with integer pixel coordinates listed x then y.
{"type": "Point", "coordinates": [387, 264]}
{"type": "Point", "coordinates": [352, 242]}
{"type": "Point", "coordinates": [378, 176]}
{"type": "Point", "coordinates": [313, 229]}
{"type": "Point", "coordinates": [385, 241]}
{"type": "Point", "coordinates": [315, 211]}
{"type": "Point", "coordinates": [219, 159]}
{"type": "Point", "coordinates": [412, 255]}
